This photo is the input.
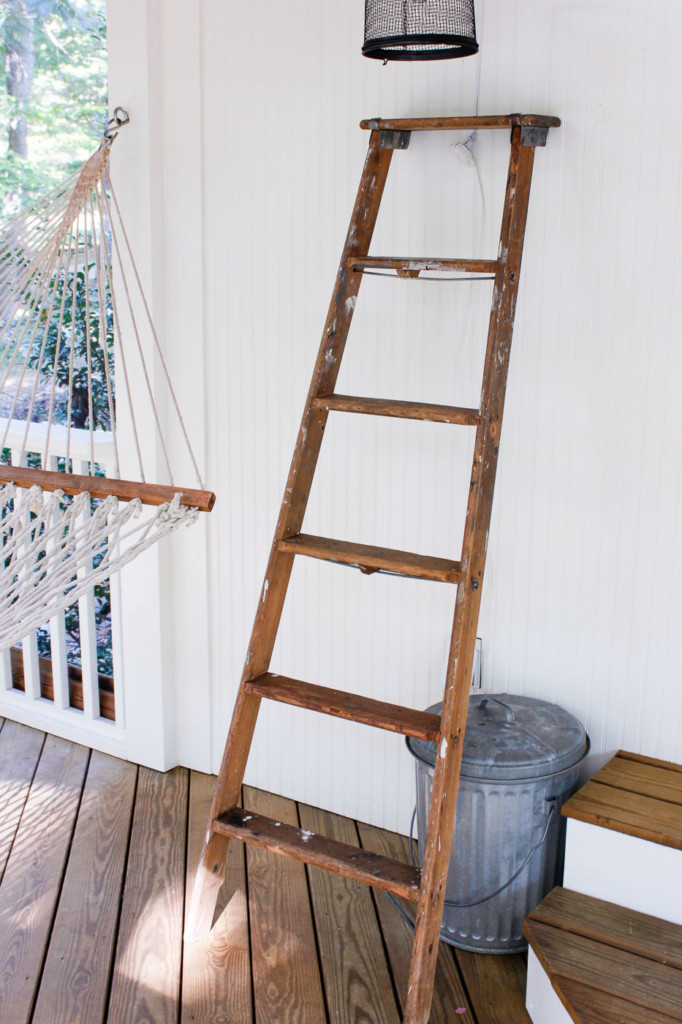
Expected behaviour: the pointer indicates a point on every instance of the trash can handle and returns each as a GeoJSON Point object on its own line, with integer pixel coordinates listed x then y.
{"type": "Point", "coordinates": [509, 712]}
{"type": "Point", "coordinates": [550, 808]}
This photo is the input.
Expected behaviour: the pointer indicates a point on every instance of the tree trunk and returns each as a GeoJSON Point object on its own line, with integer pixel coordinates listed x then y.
{"type": "Point", "coordinates": [19, 63]}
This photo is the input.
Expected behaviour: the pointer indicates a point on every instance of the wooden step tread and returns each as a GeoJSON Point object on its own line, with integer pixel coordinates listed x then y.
{"type": "Point", "coordinates": [594, 951]}
{"type": "Point", "coordinates": [435, 124]}
{"type": "Point", "coordinates": [370, 559]}
{"type": "Point", "coordinates": [312, 848]}
{"type": "Point", "coordinates": [381, 715]}
{"type": "Point", "coordinates": [612, 925]}
{"type": "Point", "coordinates": [636, 796]}
{"type": "Point", "coordinates": [414, 265]}
{"type": "Point", "coordinates": [400, 409]}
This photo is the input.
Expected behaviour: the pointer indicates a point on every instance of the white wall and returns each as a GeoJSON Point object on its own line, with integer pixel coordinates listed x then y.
{"type": "Point", "coordinates": [245, 137]}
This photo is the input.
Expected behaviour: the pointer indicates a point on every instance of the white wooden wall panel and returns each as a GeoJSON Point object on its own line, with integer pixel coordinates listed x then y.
{"type": "Point", "coordinates": [255, 131]}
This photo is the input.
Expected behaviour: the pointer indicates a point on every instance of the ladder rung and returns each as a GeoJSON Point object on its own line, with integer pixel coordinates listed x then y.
{"type": "Point", "coordinates": [312, 848]}
{"type": "Point", "coordinates": [414, 265]}
{"type": "Point", "coordinates": [440, 124]}
{"type": "Point", "coordinates": [400, 409]}
{"type": "Point", "coordinates": [373, 559]}
{"type": "Point", "coordinates": [420, 724]}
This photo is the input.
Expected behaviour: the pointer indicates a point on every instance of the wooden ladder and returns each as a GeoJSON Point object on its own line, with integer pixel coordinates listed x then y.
{"type": "Point", "coordinates": [227, 820]}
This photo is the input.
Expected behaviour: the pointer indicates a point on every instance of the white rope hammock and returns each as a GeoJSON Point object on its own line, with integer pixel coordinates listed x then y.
{"type": "Point", "coordinates": [62, 329]}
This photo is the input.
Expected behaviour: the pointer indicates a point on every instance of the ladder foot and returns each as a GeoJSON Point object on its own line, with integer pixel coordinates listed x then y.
{"type": "Point", "coordinates": [207, 885]}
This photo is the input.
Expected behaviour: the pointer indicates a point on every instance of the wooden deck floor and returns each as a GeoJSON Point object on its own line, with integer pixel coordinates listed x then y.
{"type": "Point", "coordinates": [96, 856]}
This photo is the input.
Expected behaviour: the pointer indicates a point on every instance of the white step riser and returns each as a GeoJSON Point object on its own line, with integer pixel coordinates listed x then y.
{"type": "Point", "coordinates": [622, 869]}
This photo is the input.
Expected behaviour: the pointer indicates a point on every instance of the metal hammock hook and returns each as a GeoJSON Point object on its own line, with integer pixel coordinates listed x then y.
{"type": "Point", "coordinates": [114, 124]}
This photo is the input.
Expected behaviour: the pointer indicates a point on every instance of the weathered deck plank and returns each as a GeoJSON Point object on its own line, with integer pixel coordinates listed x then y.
{"type": "Point", "coordinates": [356, 977]}
{"type": "Point", "coordinates": [497, 986]}
{"type": "Point", "coordinates": [146, 979]}
{"type": "Point", "coordinates": [75, 982]}
{"type": "Point", "coordinates": [91, 907]}
{"type": "Point", "coordinates": [449, 995]}
{"type": "Point", "coordinates": [286, 975]}
{"type": "Point", "coordinates": [20, 749]}
{"type": "Point", "coordinates": [31, 883]}
{"type": "Point", "coordinates": [216, 971]}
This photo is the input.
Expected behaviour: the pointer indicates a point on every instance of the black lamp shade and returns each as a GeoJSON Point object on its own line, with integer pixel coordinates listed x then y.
{"type": "Point", "coordinates": [419, 29]}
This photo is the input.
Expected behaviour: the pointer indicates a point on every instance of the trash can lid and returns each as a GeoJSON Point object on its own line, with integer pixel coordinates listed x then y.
{"type": "Point", "coordinates": [513, 737]}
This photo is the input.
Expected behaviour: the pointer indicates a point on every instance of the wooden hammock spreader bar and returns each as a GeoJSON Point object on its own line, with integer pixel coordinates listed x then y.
{"type": "Point", "coordinates": [102, 487]}
{"type": "Point", "coordinates": [455, 124]}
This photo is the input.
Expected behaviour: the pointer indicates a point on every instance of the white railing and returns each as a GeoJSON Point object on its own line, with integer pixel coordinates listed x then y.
{"type": "Point", "coordinates": [29, 706]}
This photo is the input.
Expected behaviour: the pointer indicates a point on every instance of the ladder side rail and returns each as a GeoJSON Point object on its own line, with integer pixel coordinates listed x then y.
{"type": "Point", "coordinates": [325, 374]}
{"type": "Point", "coordinates": [280, 563]}
{"type": "Point", "coordinates": [455, 703]}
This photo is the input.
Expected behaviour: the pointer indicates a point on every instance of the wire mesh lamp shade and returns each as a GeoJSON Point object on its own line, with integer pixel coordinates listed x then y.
{"type": "Point", "coordinates": [419, 29]}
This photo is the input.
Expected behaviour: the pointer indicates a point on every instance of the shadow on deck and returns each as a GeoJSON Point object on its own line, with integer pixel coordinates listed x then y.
{"type": "Point", "coordinates": [96, 860]}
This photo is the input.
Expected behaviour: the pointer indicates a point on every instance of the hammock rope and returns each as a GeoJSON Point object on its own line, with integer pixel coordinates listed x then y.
{"type": "Point", "coordinates": [61, 533]}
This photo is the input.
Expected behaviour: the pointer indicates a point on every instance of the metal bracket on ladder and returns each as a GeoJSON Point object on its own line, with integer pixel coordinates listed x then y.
{"type": "Point", "coordinates": [227, 820]}
{"type": "Point", "coordinates": [389, 139]}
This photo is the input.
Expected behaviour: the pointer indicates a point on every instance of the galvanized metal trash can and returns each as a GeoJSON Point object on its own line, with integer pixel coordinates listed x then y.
{"type": "Point", "coordinates": [521, 761]}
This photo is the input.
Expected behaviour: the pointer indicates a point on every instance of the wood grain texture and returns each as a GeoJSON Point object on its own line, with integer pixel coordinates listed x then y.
{"type": "Point", "coordinates": [287, 840]}
{"type": "Point", "coordinates": [449, 994]}
{"type": "Point", "coordinates": [438, 124]}
{"type": "Point", "coordinates": [648, 937]}
{"type": "Point", "coordinates": [656, 762]}
{"type": "Point", "coordinates": [101, 487]}
{"type": "Point", "coordinates": [75, 982]}
{"type": "Point", "coordinates": [373, 559]}
{"type": "Point", "coordinates": [496, 986]}
{"type": "Point", "coordinates": [216, 970]}
{"type": "Point", "coordinates": [351, 706]}
{"type": "Point", "coordinates": [642, 816]}
{"type": "Point", "coordinates": [30, 886]}
{"type": "Point", "coordinates": [286, 977]}
{"type": "Point", "coordinates": [425, 411]}
{"type": "Point", "coordinates": [648, 779]}
{"type": "Point", "coordinates": [651, 985]}
{"type": "Point", "coordinates": [419, 263]}
{"type": "Point", "coordinates": [356, 977]}
{"type": "Point", "coordinates": [20, 749]}
{"type": "Point", "coordinates": [146, 979]}
{"type": "Point", "coordinates": [436, 858]}
{"type": "Point", "coordinates": [590, 1006]}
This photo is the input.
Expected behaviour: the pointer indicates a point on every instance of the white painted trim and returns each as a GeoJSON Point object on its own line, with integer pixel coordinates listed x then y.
{"type": "Point", "coordinates": [623, 869]}
{"type": "Point", "coordinates": [542, 1002]}
{"type": "Point", "coordinates": [70, 723]}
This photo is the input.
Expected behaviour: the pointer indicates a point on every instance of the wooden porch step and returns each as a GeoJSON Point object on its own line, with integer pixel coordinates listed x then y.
{"type": "Point", "coordinates": [351, 706]}
{"type": "Point", "coordinates": [370, 559]}
{"type": "Point", "coordinates": [312, 848]}
{"type": "Point", "coordinates": [608, 964]}
{"type": "Point", "coordinates": [636, 795]}
{"type": "Point", "coordinates": [399, 409]}
{"type": "Point", "coordinates": [412, 266]}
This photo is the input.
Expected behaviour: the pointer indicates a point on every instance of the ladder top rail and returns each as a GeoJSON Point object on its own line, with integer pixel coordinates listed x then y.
{"type": "Point", "coordinates": [439, 124]}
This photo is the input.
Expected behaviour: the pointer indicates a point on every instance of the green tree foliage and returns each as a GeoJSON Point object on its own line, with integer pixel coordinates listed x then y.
{"type": "Point", "coordinates": [55, 98]}
{"type": "Point", "coordinates": [76, 354]}
{"type": "Point", "coordinates": [54, 107]}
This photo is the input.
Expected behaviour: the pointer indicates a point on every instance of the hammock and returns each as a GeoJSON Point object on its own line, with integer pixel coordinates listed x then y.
{"type": "Point", "coordinates": [62, 329]}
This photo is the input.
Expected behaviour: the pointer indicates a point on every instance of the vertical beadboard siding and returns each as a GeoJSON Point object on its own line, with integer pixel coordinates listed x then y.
{"type": "Point", "coordinates": [261, 155]}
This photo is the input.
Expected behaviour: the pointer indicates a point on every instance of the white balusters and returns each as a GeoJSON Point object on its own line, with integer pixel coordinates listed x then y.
{"type": "Point", "coordinates": [60, 671]}
{"type": "Point", "coordinates": [57, 715]}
